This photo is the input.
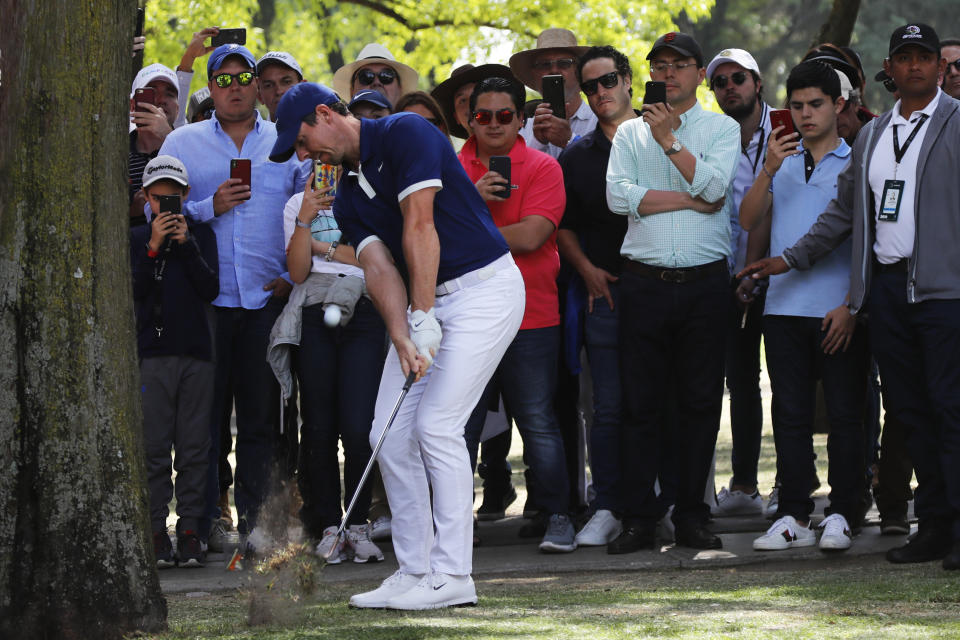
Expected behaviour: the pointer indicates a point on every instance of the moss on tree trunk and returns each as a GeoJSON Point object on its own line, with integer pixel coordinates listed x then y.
{"type": "Point", "coordinates": [75, 557]}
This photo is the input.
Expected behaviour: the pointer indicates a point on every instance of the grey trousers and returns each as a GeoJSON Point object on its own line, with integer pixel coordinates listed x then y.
{"type": "Point", "coordinates": [177, 396]}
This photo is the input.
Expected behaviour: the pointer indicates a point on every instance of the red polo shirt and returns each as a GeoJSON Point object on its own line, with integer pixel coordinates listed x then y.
{"type": "Point", "coordinates": [536, 189]}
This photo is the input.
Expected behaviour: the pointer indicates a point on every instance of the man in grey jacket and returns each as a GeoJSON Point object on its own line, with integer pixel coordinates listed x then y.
{"type": "Point", "coordinates": [899, 200]}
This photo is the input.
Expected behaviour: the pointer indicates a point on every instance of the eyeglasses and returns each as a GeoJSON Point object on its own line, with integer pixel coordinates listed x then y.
{"type": "Point", "coordinates": [660, 67]}
{"type": "Point", "coordinates": [367, 76]}
{"type": "Point", "coordinates": [738, 77]}
{"type": "Point", "coordinates": [563, 64]}
{"type": "Point", "coordinates": [955, 64]}
{"type": "Point", "coordinates": [485, 116]}
{"type": "Point", "coordinates": [224, 80]}
{"type": "Point", "coordinates": [607, 80]}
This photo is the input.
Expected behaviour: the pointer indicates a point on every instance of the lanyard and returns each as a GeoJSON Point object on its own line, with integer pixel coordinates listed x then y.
{"type": "Point", "coordinates": [760, 146]}
{"type": "Point", "coordinates": [897, 150]}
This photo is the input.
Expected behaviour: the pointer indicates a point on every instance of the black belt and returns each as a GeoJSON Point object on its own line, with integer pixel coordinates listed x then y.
{"type": "Point", "coordinates": [900, 266]}
{"type": "Point", "coordinates": [677, 276]}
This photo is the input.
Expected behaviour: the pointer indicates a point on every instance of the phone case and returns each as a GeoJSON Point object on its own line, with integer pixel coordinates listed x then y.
{"type": "Point", "coordinates": [229, 36]}
{"type": "Point", "coordinates": [501, 164]}
{"type": "Point", "coordinates": [170, 203]}
{"type": "Point", "coordinates": [240, 168]}
{"type": "Point", "coordinates": [782, 117]}
{"type": "Point", "coordinates": [654, 92]}
{"type": "Point", "coordinates": [553, 94]}
{"type": "Point", "coordinates": [327, 175]}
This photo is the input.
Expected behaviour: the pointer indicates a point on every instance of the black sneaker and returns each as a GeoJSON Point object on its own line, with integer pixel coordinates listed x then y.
{"type": "Point", "coordinates": [163, 550]}
{"type": "Point", "coordinates": [494, 506]}
{"type": "Point", "coordinates": [191, 551]}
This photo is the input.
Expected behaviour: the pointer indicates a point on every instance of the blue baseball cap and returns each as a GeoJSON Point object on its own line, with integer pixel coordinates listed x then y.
{"type": "Point", "coordinates": [298, 102]}
{"type": "Point", "coordinates": [224, 51]}
{"type": "Point", "coordinates": [371, 96]}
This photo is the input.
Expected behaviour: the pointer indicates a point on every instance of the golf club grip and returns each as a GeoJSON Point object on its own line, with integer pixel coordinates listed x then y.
{"type": "Point", "coordinates": [411, 378]}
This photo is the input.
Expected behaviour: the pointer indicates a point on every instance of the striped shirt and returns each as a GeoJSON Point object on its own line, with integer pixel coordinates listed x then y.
{"type": "Point", "coordinates": [683, 238]}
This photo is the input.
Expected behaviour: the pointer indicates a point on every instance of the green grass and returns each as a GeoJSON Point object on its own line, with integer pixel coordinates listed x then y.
{"type": "Point", "coordinates": [855, 599]}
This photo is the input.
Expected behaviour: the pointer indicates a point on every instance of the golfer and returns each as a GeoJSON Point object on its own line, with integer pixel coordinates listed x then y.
{"type": "Point", "coordinates": [414, 217]}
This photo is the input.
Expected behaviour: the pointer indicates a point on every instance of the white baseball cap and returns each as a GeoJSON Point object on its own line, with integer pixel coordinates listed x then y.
{"type": "Point", "coordinates": [738, 56]}
{"type": "Point", "coordinates": [846, 88]}
{"type": "Point", "coordinates": [279, 57]}
{"type": "Point", "coordinates": [155, 71]}
{"type": "Point", "coordinates": [164, 168]}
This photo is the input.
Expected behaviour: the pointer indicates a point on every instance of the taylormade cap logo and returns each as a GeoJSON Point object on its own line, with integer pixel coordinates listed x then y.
{"type": "Point", "coordinates": [162, 167]}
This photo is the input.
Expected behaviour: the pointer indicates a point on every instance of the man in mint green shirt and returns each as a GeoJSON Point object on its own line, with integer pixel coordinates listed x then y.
{"type": "Point", "coordinates": [670, 173]}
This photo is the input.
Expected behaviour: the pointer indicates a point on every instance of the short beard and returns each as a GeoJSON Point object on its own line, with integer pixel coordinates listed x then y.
{"type": "Point", "coordinates": [743, 111]}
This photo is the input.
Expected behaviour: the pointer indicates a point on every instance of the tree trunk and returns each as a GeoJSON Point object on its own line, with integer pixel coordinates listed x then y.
{"type": "Point", "coordinates": [839, 26]}
{"type": "Point", "coordinates": [75, 556]}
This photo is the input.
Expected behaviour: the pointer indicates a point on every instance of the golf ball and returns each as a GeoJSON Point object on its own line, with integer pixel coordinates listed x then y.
{"type": "Point", "coordinates": [331, 317]}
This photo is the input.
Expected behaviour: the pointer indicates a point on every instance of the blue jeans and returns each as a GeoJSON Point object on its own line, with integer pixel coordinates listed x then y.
{"type": "Point", "coordinates": [601, 329]}
{"type": "Point", "coordinates": [918, 349]}
{"type": "Point", "coordinates": [241, 339]}
{"type": "Point", "coordinates": [527, 378]}
{"type": "Point", "coordinates": [339, 373]}
{"type": "Point", "coordinates": [796, 360]}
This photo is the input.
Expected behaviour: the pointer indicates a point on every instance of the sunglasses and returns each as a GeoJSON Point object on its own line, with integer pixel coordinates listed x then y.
{"type": "Point", "coordinates": [224, 80]}
{"type": "Point", "coordinates": [738, 77]}
{"type": "Point", "coordinates": [366, 77]}
{"type": "Point", "coordinates": [955, 64]}
{"type": "Point", "coordinates": [485, 116]}
{"type": "Point", "coordinates": [607, 80]}
{"type": "Point", "coordinates": [562, 63]}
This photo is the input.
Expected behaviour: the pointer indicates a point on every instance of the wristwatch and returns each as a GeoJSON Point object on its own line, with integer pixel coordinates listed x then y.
{"type": "Point", "coordinates": [674, 148]}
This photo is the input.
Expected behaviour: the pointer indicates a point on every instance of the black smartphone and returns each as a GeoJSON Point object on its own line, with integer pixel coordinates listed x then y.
{"type": "Point", "coordinates": [501, 164]}
{"type": "Point", "coordinates": [170, 203]}
{"type": "Point", "coordinates": [655, 92]}
{"type": "Point", "coordinates": [138, 56]}
{"type": "Point", "coordinates": [229, 36]}
{"type": "Point", "coordinates": [553, 94]}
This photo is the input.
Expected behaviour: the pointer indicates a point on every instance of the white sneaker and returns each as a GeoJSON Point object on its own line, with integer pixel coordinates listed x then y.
{"type": "Point", "coordinates": [785, 533]}
{"type": "Point", "coordinates": [331, 548]}
{"type": "Point", "coordinates": [436, 591]}
{"type": "Point", "coordinates": [380, 528]}
{"type": "Point", "coordinates": [393, 586]}
{"type": "Point", "coordinates": [773, 504]}
{"type": "Point", "coordinates": [836, 533]}
{"type": "Point", "coordinates": [737, 503]}
{"type": "Point", "coordinates": [358, 539]}
{"type": "Point", "coordinates": [602, 527]}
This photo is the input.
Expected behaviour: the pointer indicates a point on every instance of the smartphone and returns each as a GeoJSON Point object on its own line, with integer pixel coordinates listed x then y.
{"type": "Point", "coordinates": [782, 117]}
{"type": "Point", "coordinates": [326, 175]}
{"type": "Point", "coordinates": [146, 94]}
{"type": "Point", "coordinates": [501, 164]}
{"type": "Point", "coordinates": [170, 203]}
{"type": "Point", "coordinates": [138, 57]}
{"type": "Point", "coordinates": [229, 36]}
{"type": "Point", "coordinates": [553, 94]}
{"type": "Point", "coordinates": [240, 168]}
{"type": "Point", "coordinates": [655, 92]}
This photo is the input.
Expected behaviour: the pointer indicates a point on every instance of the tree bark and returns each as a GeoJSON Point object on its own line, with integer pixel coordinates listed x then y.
{"type": "Point", "coordinates": [839, 26]}
{"type": "Point", "coordinates": [75, 556]}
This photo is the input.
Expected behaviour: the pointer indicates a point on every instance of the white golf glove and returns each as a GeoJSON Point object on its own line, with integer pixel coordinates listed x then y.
{"type": "Point", "coordinates": [425, 333]}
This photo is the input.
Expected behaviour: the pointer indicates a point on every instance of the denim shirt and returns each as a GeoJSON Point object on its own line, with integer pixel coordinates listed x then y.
{"type": "Point", "coordinates": [250, 239]}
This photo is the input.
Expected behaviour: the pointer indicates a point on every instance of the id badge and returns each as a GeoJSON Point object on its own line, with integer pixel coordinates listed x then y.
{"type": "Point", "coordinates": [890, 201]}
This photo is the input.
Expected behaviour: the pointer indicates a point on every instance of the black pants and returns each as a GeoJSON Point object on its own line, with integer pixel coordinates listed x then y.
{"type": "Point", "coordinates": [918, 349]}
{"type": "Point", "coordinates": [796, 360]}
{"type": "Point", "coordinates": [664, 327]}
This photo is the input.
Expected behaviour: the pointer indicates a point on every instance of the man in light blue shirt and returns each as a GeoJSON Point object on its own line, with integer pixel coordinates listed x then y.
{"type": "Point", "coordinates": [670, 173]}
{"type": "Point", "coordinates": [809, 332]}
{"type": "Point", "coordinates": [248, 222]}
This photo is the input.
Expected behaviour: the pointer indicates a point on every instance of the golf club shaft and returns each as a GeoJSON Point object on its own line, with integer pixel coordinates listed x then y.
{"type": "Point", "coordinates": [373, 455]}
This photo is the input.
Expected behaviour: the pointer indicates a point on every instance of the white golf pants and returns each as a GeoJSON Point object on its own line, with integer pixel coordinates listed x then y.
{"type": "Point", "coordinates": [425, 447]}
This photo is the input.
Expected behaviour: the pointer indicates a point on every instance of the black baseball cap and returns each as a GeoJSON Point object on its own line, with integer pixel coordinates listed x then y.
{"type": "Point", "coordinates": [919, 34]}
{"type": "Point", "coordinates": [679, 42]}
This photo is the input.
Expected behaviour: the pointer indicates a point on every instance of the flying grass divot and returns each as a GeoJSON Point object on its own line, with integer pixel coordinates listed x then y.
{"type": "Point", "coordinates": [280, 582]}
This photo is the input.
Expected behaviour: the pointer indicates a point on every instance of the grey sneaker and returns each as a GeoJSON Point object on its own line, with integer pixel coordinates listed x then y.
{"type": "Point", "coordinates": [773, 504]}
{"type": "Point", "coordinates": [559, 537]}
{"type": "Point", "coordinates": [219, 537]}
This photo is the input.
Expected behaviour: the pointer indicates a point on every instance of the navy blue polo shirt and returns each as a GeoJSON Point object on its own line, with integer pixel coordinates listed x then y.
{"type": "Point", "coordinates": [600, 231]}
{"type": "Point", "coordinates": [399, 155]}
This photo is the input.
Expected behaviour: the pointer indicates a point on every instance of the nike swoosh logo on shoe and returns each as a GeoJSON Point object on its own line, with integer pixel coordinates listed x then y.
{"type": "Point", "coordinates": [440, 586]}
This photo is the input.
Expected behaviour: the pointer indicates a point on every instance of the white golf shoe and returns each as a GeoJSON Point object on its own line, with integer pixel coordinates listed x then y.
{"type": "Point", "coordinates": [436, 591]}
{"type": "Point", "coordinates": [602, 527]}
{"type": "Point", "coordinates": [396, 585]}
{"type": "Point", "coordinates": [358, 540]}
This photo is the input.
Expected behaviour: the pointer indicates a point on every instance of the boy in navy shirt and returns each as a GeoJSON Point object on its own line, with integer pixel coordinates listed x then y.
{"type": "Point", "coordinates": [175, 277]}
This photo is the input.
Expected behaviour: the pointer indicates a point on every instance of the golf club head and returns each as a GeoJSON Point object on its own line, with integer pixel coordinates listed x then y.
{"type": "Point", "coordinates": [335, 548]}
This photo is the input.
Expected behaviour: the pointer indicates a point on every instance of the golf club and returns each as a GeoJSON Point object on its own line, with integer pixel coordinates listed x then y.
{"type": "Point", "coordinates": [373, 458]}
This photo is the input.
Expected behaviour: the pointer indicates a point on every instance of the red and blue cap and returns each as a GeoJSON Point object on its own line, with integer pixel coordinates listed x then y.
{"type": "Point", "coordinates": [301, 100]}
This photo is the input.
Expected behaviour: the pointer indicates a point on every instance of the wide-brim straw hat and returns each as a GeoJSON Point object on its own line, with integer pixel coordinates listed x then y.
{"type": "Point", "coordinates": [444, 92]}
{"type": "Point", "coordinates": [521, 63]}
{"type": "Point", "coordinates": [374, 53]}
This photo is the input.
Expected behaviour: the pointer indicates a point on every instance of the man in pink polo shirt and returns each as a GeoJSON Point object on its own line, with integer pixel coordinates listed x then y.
{"type": "Point", "coordinates": [528, 218]}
